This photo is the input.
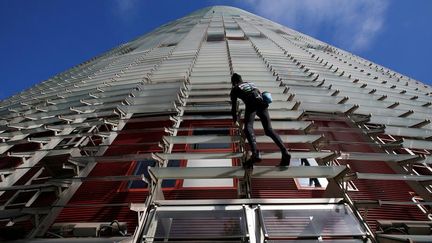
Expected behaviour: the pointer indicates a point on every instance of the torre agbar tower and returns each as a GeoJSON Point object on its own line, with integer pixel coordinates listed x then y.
{"type": "Point", "coordinates": [138, 144]}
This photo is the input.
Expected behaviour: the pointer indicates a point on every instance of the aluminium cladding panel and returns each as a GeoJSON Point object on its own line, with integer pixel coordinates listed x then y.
{"type": "Point", "coordinates": [152, 41]}
{"type": "Point", "coordinates": [230, 25]}
{"type": "Point", "coordinates": [269, 49]}
{"type": "Point", "coordinates": [234, 34]}
{"type": "Point", "coordinates": [76, 91]}
{"type": "Point", "coordinates": [403, 91]}
{"type": "Point", "coordinates": [193, 39]}
{"type": "Point", "coordinates": [182, 57]}
{"type": "Point", "coordinates": [380, 78]}
{"type": "Point", "coordinates": [103, 75]}
{"type": "Point", "coordinates": [247, 63]}
{"type": "Point", "coordinates": [43, 86]}
{"type": "Point", "coordinates": [279, 40]}
{"type": "Point", "coordinates": [248, 29]}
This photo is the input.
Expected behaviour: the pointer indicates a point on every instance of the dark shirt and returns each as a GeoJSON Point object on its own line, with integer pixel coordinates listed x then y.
{"type": "Point", "coordinates": [248, 93]}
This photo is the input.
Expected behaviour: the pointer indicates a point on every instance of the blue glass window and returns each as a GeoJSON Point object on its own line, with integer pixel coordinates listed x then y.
{"type": "Point", "coordinates": [141, 168]}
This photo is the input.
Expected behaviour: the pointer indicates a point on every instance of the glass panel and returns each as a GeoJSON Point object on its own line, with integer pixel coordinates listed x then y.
{"type": "Point", "coordinates": [396, 177]}
{"type": "Point", "coordinates": [310, 221]}
{"type": "Point", "coordinates": [396, 121]}
{"type": "Point", "coordinates": [197, 81]}
{"type": "Point", "coordinates": [215, 34]}
{"type": "Point", "coordinates": [141, 169]}
{"type": "Point", "coordinates": [210, 99]}
{"type": "Point", "coordinates": [160, 108]}
{"type": "Point", "coordinates": [408, 143]}
{"type": "Point", "coordinates": [189, 223]}
{"type": "Point", "coordinates": [366, 110]}
{"type": "Point", "coordinates": [323, 107]}
{"type": "Point", "coordinates": [319, 99]}
{"type": "Point", "coordinates": [238, 172]}
{"type": "Point", "coordinates": [215, 131]}
{"type": "Point", "coordinates": [298, 172]}
{"type": "Point", "coordinates": [408, 132]}
{"type": "Point", "coordinates": [299, 155]}
{"type": "Point", "coordinates": [377, 157]}
{"type": "Point", "coordinates": [309, 182]}
{"type": "Point", "coordinates": [420, 115]}
{"type": "Point", "coordinates": [208, 182]}
{"type": "Point", "coordinates": [290, 139]}
{"type": "Point", "coordinates": [196, 173]}
{"type": "Point", "coordinates": [283, 105]}
{"type": "Point", "coordinates": [207, 139]}
{"type": "Point", "coordinates": [150, 100]}
{"type": "Point", "coordinates": [204, 156]}
{"type": "Point", "coordinates": [286, 125]}
{"type": "Point", "coordinates": [281, 114]}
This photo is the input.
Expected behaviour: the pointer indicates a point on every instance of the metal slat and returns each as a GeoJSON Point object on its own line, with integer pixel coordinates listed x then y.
{"type": "Point", "coordinates": [323, 156]}
{"type": "Point", "coordinates": [392, 177]}
{"type": "Point", "coordinates": [215, 139]}
{"type": "Point", "coordinates": [238, 172]}
{"type": "Point", "coordinates": [397, 158]}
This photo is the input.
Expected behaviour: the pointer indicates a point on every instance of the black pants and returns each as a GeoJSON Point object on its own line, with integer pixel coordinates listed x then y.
{"type": "Point", "coordinates": [263, 114]}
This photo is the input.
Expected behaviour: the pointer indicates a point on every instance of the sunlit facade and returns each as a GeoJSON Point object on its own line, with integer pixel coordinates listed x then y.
{"type": "Point", "coordinates": [138, 145]}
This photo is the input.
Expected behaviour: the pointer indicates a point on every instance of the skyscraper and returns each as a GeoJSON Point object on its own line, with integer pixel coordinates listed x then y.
{"type": "Point", "coordinates": [138, 143]}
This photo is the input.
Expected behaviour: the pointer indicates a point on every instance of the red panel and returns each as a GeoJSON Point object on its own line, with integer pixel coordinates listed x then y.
{"type": "Point", "coordinates": [95, 193]}
{"type": "Point", "coordinates": [339, 135]}
{"type": "Point", "coordinates": [370, 189]}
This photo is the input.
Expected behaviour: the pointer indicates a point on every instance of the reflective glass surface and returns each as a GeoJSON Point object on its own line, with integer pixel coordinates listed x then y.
{"type": "Point", "coordinates": [310, 221]}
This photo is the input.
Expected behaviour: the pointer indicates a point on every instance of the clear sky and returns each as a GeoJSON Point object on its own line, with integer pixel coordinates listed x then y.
{"type": "Point", "coordinates": [39, 39]}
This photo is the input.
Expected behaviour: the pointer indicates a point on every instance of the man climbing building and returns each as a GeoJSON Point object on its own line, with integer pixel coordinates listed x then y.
{"type": "Point", "coordinates": [255, 105]}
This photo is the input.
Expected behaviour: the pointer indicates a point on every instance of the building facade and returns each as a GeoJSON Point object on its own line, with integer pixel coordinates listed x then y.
{"type": "Point", "coordinates": [138, 144]}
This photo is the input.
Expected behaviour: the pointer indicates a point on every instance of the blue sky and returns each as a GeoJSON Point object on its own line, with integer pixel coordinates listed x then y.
{"type": "Point", "coordinates": [39, 39]}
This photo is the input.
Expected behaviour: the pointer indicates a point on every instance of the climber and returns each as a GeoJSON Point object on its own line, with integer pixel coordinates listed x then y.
{"type": "Point", "coordinates": [255, 105]}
